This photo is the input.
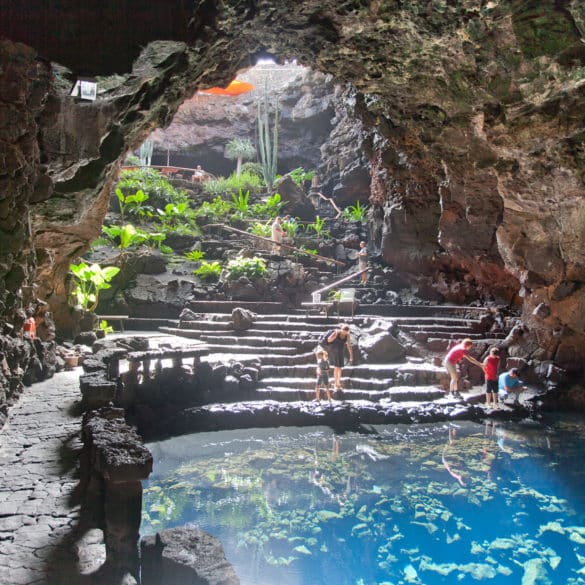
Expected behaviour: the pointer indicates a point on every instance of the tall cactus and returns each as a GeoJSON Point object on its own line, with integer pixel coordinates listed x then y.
{"type": "Point", "coordinates": [268, 151]}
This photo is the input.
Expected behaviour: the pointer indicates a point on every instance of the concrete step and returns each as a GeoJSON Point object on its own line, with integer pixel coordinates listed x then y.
{"type": "Point", "coordinates": [228, 306]}
{"type": "Point", "coordinates": [237, 341]}
{"type": "Point", "coordinates": [420, 371]}
{"type": "Point", "coordinates": [397, 394]}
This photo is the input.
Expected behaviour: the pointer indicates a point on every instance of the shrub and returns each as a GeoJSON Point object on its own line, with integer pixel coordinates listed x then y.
{"type": "Point", "coordinates": [253, 168]}
{"type": "Point", "coordinates": [208, 270]}
{"type": "Point", "coordinates": [195, 255]}
{"type": "Point", "coordinates": [299, 176]}
{"type": "Point", "coordinates": [261, 229]}
{"type": "Point", "coordinates": [355, 212]}
{"type": "Point", "coordinates": [215, 210]}
{"type": "Point", "coordinates": [153, 183]}
{"type": "Point", "coordinates": [251, 267]}
{"type": "Point", "coordinates": [270, 208]}
{"type": "Point", "coordinates": [233, 184]}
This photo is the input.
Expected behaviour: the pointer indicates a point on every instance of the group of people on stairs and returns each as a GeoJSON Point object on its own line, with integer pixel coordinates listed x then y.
{"type": "Point", "coordinates": [496, 385]}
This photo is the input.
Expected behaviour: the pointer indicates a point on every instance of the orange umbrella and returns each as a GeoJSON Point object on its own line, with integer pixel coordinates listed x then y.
{"type": "Point", "coordinates": [236, 87]}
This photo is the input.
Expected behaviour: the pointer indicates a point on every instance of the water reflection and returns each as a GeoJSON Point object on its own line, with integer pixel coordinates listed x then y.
{"type": "Point", "coordinates": [420, 504]}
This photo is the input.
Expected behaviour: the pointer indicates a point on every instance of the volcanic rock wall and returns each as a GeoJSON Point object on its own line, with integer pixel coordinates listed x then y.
{"type": "Point", "coordinates": [470, 114]}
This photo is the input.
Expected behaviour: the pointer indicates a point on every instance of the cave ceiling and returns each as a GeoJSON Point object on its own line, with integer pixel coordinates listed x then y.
{"type": "Point", "coordinates": [471, 117]}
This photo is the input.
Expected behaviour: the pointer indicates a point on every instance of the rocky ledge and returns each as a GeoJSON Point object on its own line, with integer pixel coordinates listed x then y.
{"type": "Point", "coordinates": [356, 415]}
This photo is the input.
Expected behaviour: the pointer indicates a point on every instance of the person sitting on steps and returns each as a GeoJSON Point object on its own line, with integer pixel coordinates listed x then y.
{"type": "Point", "coordinates": [453, 357]}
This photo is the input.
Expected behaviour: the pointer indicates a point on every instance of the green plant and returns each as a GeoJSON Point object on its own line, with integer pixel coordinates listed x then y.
{"type": "Point", "coordinates": [133, 204]}
{"type": "Point", "coordinates": [177, 217]}
{"type": "Point", "coordinates": [208, 270]}
{"type": "Point", "coordinates": [132, 160]}
{"type": "Point", "coordinates": [246, 181]}
{"type": "Point", "coordinates": [253, 168]}
{"type": "Point", "coordinates": [268, 151]}
{"type": "Point", "coordinates": [105, 327]}
{"type": "Point", "coordinates": [251, 267]}
{"type": "Point", "coordinates": [290, 227]}
{"type": "Point", "coordinates": [318, 227]}
{"type": "Point", "coordinates": [299, 176]}
{"type": "Point", "coordinates": [261, 229]}
{"type": "Point", "coordinates": [333, 296]}
{"type": "Point", "coordinates": [154, 184]}
{"type": "Point", "coordinates": [271, 207]}
{"type": "Point", "coordinates": [127, 235]}
{"type": "Point", "coordinates": [215, 210]}
{"type": "Point", "coordinates": [239, 149]}
{"type": "Point", "coordinates": [355, 212]}
{"type": "Point", "coordinates": [240, 203]}
{"type": "Point", "coordinates": [89, 281]}
{"type": "Point", "coordinates": [195, 255]}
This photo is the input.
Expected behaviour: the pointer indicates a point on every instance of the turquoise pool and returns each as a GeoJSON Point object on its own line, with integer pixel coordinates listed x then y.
{"type": "Point", "coordinates": [428, 504]}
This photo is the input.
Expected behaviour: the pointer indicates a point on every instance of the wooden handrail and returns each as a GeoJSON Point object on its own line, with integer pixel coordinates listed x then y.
{"type": "Point", "coordinates": [344, 279]}
{"type": "Point", "coordinates": [227, 227]}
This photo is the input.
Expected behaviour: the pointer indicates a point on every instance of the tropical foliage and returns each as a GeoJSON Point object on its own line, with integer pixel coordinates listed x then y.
{"type": "Point", "coordinates": [240, 149]}
{"type": "Point", "coordinates": [246, 181]}
{"type": "Point", "coordinates": [355, 212]}
{"type": "Point", "coordinates": [268, 148]}
{"type": "Point", "coordinates": [208, 270]}
{"type": "Point", "coordinates": [89, 280]}
{"type": "Point", "coordinates": [251, 267]}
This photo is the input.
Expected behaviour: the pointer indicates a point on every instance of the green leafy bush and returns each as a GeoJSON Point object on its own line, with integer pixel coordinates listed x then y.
{"type": "Point", "coordinates": [240, 203]}
{"type": "Point", "coordinates": [105, 327]}
{"type": "Point", "coordinates": [208, 270]}
{"type": "Point", "coordinates": [251, 267]}
{"type": "Point", "coordinates": [270, 208]}
{"type": "Point", "coordinates": [261, 229]}
{"type": "Point", "coordinates": [89, 280]}
{"type": "Point", "coordinates": [253, 168]}
{"type": "Point", "coordinates": [126, 235]}
{"type": "Point", "coordinates": [318, 227]}
{"type": "Point", "coordinates": [195, 255]}
{"type": "Point", "coordinates": [154, 184]}
{"type": "Point", "coordinates": [246, 181]}
{"type": "Point", "coordinates": [134, 204]}
{"type": "Point", "coordinates": [299, 176]}
{"type": "Point", "coordinates": [355, 212]}
{"type": "Point", "coordinates": [215, 210]}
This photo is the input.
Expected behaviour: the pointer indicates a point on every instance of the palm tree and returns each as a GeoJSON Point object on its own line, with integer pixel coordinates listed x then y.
{"type": "Point", "coordinates": [240, 149]}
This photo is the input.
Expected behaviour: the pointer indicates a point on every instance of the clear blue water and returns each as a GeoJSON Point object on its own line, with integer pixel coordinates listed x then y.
{"type": "Point", "coordinates": [428, 504]}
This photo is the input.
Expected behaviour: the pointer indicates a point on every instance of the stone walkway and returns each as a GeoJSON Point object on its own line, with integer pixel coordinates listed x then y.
{"type": "Point", "coordinates": [40, 537]}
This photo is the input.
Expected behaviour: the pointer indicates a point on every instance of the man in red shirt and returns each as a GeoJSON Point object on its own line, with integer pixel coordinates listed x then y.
{"type": "Point", "coordinates": [490, 367]}
{"type": "Point", "coordinates": [455, 355]}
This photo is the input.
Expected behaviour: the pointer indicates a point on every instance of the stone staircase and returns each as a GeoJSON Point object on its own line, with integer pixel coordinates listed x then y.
{"type": "Point", "coordinates": [284, 342]}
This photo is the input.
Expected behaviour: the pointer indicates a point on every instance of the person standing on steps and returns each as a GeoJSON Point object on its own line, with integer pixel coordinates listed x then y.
{"type": "Point", "coordinates": [453, 357]}
{"type": "Point", "coordinates": [322, 375]}
{"type": "Point", "coordinates": [337, 342]}
{"type": "Point", "coordinates": [277, 235]}
{"type": "Point", "coordinates": [363, 262]}
{"type": "Point", "coordinates": [490, 366]}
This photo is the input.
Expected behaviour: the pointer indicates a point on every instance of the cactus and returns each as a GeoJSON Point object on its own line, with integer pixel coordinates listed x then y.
{"type": "Point", "coordinates": [268, 150]}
